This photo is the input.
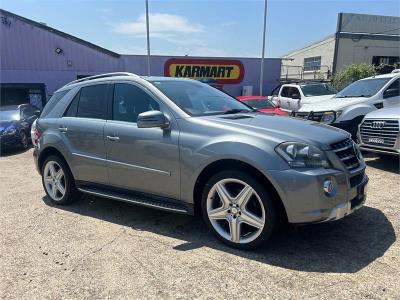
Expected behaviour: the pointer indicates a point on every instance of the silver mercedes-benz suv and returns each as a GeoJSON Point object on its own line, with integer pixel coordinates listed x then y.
{"type": "Point", "coordinates": [180, 145]}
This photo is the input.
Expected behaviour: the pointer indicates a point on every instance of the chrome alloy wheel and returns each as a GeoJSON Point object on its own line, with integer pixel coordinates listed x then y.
{"type": "Point", "coordinates": [235, 210]}
{"type": "Point", "coordinates": [54, 180]}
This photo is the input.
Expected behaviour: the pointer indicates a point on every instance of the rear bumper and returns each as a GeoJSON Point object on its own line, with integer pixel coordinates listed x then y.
{"type": "Point", "coordinates": [36, 159]}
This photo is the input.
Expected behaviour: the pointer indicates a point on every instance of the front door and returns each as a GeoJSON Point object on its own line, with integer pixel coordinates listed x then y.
{"type": "Point", "coordinates": [141, 159]}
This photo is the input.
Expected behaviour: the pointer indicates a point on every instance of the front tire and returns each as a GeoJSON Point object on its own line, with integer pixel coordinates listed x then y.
{"type": "Point", "coordinates": [58, 182]}
{"type": "Point", "coordinates": [238, 209]}
{"type": "Point", "coordinates": [24, 140]}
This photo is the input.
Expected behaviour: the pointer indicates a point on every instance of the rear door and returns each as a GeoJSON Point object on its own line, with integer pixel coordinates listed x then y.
{"type": "Point", "coordinates": [82, 131]}
{"type": "Point", "coordinates": [141, 159]}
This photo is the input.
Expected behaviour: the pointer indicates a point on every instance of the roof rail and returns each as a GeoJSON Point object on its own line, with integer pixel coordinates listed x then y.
{"type": "Point", "coordinates": [102, 76]}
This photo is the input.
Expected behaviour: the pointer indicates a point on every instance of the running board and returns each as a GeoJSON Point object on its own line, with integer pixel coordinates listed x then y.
{"type": "Point", "coordinates": [139, 199]}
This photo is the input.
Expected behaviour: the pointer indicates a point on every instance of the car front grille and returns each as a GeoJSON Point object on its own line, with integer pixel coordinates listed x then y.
{"type": "Point", "coordinates": [379, 132]}
{"type": "Point", "coordinates": [348, 153]}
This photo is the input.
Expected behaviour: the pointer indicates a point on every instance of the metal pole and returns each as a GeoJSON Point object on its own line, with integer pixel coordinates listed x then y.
{"type": "Point", "coordinates": [148, 37]}
{"type": "Point", "coordinates": [263, 49]}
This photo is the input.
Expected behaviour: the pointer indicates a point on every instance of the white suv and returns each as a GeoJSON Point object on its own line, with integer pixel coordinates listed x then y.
{"type": "Point", "coordinates": [292, 96]}
{"type": "Point", "coordinates": [347, 109]}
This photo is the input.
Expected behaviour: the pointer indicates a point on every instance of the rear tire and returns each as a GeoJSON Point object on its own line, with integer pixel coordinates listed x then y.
{"type": "Point", "coordinates": [238, 209]}
{"type": "Point", "coordinates": [58, 182]}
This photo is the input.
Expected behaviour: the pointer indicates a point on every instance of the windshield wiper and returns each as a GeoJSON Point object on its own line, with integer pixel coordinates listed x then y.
{"type": "Point", "coordinates": [237, 110]}
{"type": "Point", "coordinates": [355, 96]}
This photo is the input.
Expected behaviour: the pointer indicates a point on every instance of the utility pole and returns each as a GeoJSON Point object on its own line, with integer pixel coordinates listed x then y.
{"type": "Point", "coordinates": [148, 38]}
{"type": "Point", "coordinates": [263, 49]}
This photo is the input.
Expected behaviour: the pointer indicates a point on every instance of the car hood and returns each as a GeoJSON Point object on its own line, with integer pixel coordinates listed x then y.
{"type": "Point", "coordinates": [6, 124]}
{"type": "Point", "coordinates": [392, 112]}
{"type": "Point", "coordinates": [278, 129]}
{"type": "Point", "coordinates": [315, 99]}
{"type": "Point", "coordinates": [332, 104]}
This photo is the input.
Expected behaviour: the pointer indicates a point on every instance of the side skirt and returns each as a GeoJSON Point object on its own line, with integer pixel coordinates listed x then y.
{"type": "Point", "coordinates": [138, 198]}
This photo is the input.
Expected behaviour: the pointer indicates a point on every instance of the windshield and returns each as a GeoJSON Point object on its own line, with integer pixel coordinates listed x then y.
{"type": "Point", "coordinates": [199, 99]}
{"type": "Point", "coordinates": [9, 115]}
{"type": "Point", "coordinates": [319, 89]}
{"type": "Point", "coordinates": [363, 88]}
{"type": "Point", "coordinates": [260, 103]}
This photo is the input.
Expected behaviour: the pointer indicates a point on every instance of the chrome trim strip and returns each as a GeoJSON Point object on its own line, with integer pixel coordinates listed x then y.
{"type": "Point", "coordinates": [90, 157]}
{"type": "Point", "coordinates": [159, 172]}
{"type": "Point", "coordinates": [130, 200]}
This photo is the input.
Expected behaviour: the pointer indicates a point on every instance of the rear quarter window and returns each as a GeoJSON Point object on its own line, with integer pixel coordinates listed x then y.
{"type": "Point", "coordinates": [57, 96]}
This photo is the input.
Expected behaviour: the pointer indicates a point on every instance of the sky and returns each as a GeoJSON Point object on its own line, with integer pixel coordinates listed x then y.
{"type": "Point", "coordinates": [230, 28]}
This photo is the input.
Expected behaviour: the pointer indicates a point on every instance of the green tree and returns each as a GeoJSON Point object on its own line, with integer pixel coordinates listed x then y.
{"type": "Point", "coordinates": [352, 73]}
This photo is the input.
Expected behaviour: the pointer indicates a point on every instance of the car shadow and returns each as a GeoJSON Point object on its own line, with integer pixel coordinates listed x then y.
{"type": "Point", "coordinates": [4, 152]}
{"type": "Point", "coordinates": [344, 246]}
{"type": "Point", "coordinates": [385, 163]}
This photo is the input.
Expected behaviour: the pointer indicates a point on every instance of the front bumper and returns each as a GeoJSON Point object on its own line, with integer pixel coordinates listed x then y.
{"type": "Point", "coordinates": [304, 198]}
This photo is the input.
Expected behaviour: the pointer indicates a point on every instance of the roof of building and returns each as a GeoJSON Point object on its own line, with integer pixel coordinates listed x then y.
{"type": "Point", "coordinates": [60, 33]}
{"type": "Point", "coordinates": [309, 45]}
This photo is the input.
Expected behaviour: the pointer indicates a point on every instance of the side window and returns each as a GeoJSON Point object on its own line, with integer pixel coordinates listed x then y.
{"type": "Point", "coordinates": [130, 101]}
{"type": "Point", "coordinates": [294, 91]}
{"type": "Point", "coordinates": [92, 102]}
{"type": "Point", "coordinates": [52, 102]}
{"type": "Point", "coordinates": [285, 91]}
{"type": "Point", "coordinates": [393, 90]}
{"type": "Point", "coordinates": [73, 107]}
{"type": "Point", "coordinates": [27, 112]}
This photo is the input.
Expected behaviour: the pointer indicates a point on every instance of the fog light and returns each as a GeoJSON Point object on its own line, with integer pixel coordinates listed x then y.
{"type": "Point", "coordinates": [329, 187]}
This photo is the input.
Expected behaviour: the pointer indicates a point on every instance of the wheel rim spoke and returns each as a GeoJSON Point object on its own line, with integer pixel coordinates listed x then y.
{"type": "Point", "coordinates": [244, 196]}
{"type": "Point", "coordinates": [234, 227]}
{"type": "Point", "coordinates": [59, 174]}
{"type": "Point", "coordinates": [218, 213]}
{"type": "Point", "coordinates": [60, 188]}
{"type": "Point", "coordinates": [251, 219]}
{"type": "Point", "coordinates": [54, 191]}
{"type": "Point", "coordinates": [223, 194]}
{"type": "Point", "coordinates": [52, 170]}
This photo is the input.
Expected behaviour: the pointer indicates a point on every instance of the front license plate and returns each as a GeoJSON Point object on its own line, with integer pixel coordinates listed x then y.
{"type": "Point", "coordinates": [376, 140]}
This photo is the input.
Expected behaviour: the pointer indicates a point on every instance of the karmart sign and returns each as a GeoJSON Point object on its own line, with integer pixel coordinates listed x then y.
{"type": "Point", "coordinates": [220, 71]}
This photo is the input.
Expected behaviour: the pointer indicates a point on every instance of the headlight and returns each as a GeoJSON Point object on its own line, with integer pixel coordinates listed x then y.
{"type": "Point", "coordinates": [329, 116]}
{"type": "Point", "coordinates": [299, 155]}
{"type": "Point", "coordinates": [10, 131]}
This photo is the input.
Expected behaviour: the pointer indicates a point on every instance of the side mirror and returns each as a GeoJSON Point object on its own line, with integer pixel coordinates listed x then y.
{"type": "Point", "coordinates": [296, 96]}
{"type": "Point", "coordinates": [391, 93]}
{"type": "Point", "coordinates": [151, 119]}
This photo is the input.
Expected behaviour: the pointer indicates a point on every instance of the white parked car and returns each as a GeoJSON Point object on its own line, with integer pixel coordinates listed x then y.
{"type": "Point", "coordinates": [347, 109]}
{"type": "Point", "coordinates": [379, 131]}
{"type": "Point", "coordinates": [294, 95]}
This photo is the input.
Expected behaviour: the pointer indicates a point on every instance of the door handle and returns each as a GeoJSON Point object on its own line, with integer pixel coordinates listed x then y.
{"type": "Point", "coordinates": [112, 138]}
{"type": "Point", "coordinates": [63, 129]}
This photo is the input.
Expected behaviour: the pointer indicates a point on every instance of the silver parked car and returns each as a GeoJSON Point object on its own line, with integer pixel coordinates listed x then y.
{"type": "Point", "coordinates": [183, 146]}
{"type": "Point", "coordinates": [379, 131]}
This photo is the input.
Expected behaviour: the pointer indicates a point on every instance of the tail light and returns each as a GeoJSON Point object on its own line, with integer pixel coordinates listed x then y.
{"type": "Point", "coordinates": [34, 134]}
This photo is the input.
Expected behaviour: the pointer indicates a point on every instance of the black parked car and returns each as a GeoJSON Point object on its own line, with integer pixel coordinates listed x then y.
{"type": "Point", "coordinates": [15, 125]}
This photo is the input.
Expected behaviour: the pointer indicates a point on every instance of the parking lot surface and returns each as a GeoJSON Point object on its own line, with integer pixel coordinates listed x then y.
{"type": "Point", "coordinates": [99, 248]}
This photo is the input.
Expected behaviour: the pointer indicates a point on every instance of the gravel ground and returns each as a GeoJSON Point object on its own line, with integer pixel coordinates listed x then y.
{"type": "Point", "coordinates": [99, 248]}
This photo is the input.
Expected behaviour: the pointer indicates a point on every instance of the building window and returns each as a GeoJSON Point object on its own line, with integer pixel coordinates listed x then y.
{"type": "Point", "coordinates": [312, 63]}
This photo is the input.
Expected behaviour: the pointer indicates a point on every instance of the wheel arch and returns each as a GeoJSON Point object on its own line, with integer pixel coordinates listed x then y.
{"type": "Point", "coordinates": [234, 164]}
{"type": "Point", "coordinates": [48, 151]}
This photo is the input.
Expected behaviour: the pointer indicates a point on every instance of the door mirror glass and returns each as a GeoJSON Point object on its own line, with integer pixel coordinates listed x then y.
{"type": "Point", "coordinates": [391, 93]}
{"type": "Point", "coordinates": [151, 119]}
